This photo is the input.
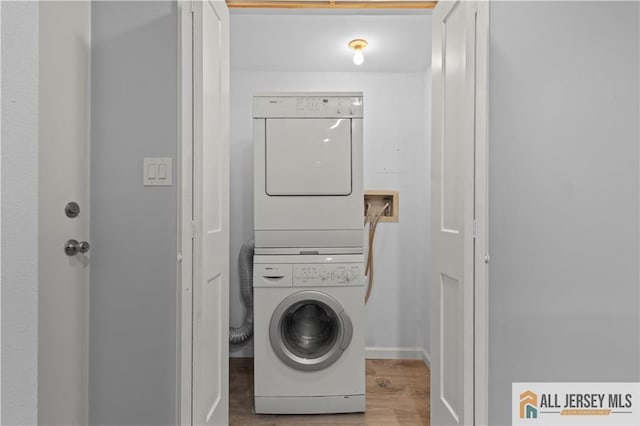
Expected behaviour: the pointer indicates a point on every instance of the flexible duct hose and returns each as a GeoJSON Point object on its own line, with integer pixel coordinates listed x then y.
{"type": "Point", "coordinates": [238, 335]}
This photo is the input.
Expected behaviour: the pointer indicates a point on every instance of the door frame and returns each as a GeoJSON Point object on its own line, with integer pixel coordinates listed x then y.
{"type": "Point", "coordinates": [481, 194]}
{"type": "Point", "coordinates": [186, 227]}
{"type": "Point", "coordinates": [69, 24]}
{"type": "Point", "coordinates": [185, 217]}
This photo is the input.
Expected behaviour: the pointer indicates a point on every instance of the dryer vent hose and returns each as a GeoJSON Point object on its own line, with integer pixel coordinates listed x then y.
{"type": "Point", "coordinates": [239, 335]}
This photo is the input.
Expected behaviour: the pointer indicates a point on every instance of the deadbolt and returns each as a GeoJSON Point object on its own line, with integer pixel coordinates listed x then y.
{"type": "Point", "coordinates": [73, 247]}
{"type": "Point", "coordinates": [72, 209]}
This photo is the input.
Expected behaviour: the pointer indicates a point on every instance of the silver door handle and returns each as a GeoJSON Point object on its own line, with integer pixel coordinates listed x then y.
{"type": "Point", "coordinates": [73, 247]}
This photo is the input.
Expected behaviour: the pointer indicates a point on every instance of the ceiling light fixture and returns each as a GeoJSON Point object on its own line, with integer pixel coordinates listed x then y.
{"type": "Point", "coordinates": [357, 45]}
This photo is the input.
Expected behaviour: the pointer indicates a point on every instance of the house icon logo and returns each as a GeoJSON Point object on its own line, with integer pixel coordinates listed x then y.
{"type": "Point", "coordinates": [528, 405]}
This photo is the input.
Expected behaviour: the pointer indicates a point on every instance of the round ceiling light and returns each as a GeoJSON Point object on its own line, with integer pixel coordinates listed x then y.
{"type": "Point", "coordinates": [358, 45]}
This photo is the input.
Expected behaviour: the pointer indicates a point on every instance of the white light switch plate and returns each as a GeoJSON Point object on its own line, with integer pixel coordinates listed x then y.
{"type": "Point", "coordinates": [156, 171]}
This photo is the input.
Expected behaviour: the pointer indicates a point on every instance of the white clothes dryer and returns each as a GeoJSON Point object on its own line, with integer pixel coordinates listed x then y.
{"type": "Point", "coordinates": [309, 334]}
{"type": "Point", "coordinates": [308, 176]}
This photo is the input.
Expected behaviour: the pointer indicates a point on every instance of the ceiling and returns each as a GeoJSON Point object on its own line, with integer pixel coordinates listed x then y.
{"type": "Point", "coordinates": [307, 41]}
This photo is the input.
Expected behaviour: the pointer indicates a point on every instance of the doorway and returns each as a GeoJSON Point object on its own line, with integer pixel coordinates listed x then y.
{"type": "Point", "coordinates": [394, 159]}
{"type": "Point", "coordinates": [395, 79]}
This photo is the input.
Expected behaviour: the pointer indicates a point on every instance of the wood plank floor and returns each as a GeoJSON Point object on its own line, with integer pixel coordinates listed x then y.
{"type": "Point", "coordinates": [397, 394]}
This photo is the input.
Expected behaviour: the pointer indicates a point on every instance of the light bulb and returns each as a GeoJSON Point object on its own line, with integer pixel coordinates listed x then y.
{"type": "Point", "coordinates": [358, 57]}
{"type": "Point", "coordinates": [358, 45]}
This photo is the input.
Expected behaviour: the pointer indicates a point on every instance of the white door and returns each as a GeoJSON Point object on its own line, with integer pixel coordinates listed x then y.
{"type": "Point", "coordinates": [453, 141]}
{"type": "Point", "coordinates": [63, 178]}
{"type": "Point", "coordinates": [210, 372]}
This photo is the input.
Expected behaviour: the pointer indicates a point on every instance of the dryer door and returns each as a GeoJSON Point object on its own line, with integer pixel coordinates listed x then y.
{"type": "Point", "coordinates": [308, 156]}
{"type": "Point", "coordinates": [309, 330]}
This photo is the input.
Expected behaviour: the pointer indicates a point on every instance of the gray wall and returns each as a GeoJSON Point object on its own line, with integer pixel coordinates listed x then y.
{"type": "Point", "coordinates": [564, 113]}
{"type": "Point", "coordinates": [19, 212]}
{"type": "Point", "coordinates": [133, 228]}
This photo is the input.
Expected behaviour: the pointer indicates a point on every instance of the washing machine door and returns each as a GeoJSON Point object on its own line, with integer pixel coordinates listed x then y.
{"type": "Point", "coordinates": [310, 330]}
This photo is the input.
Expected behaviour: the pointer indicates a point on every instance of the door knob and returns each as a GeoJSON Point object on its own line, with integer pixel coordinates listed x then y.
{"type": "Point", "coordinates": [73, 247]}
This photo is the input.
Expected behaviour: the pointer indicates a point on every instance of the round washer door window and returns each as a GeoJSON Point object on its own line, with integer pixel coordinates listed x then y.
{"type": "Point", "coordinates": [309, 330]}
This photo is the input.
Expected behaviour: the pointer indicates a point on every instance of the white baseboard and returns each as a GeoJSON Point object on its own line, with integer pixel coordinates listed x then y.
{"type": "Point", "coordinates": [372, 352]}
{"type": "Point", "coordinates": [426, 357]}
{"type": "Point", "coordinates": [245, 351]}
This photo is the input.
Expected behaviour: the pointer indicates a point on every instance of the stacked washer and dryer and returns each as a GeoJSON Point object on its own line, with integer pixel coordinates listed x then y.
{"type": "Point", "coordinates": [308, 274]}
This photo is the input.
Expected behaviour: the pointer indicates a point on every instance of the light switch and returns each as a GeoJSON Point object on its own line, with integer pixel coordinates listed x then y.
{"type": "Point", "coordinates": [151, 171]}
{"type": "Point", "coordinates": [156, 171]}
{"type": "Point", "coordinates": [162, 171]}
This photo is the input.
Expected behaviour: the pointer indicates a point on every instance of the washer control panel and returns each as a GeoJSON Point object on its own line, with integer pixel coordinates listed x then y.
{"type": "Point", "coordinates": [335, 274]}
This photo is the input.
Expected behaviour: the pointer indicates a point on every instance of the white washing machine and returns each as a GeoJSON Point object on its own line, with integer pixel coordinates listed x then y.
{"type": "Point", "coordinates": [308, 179]}
{"type": "Point", "coordinates": [309, 334]}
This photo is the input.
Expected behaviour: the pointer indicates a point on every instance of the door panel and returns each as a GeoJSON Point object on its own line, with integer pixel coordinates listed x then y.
{"type": "Point", "coordinates": [452, 139]}
{"type": "Point", "coordinates": [453, 142]}
{"type": "Point", "coordinates": [63, 177]}
{"type": "Point", "coordinates": [210, 375]}
{"type": "Point", "coordinates": [451, 345]}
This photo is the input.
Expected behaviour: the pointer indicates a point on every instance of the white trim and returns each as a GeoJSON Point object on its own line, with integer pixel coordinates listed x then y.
{"type": "Point", "coordinates": [87, 230]}
{"type": "Point", "coordinates": [639, 199]}
{"type": "Point", "coordinates": [328, 11]}
{"type": "Point", "coordinates": [1, 258]}
{"type": "Point", "coordinates": [245, 351]}
{"type": "Point", "coordinates": [469, 238]}
{"type": "Point", "coordinates": [481, 284]}
{"type": "Point", "coordinates": [426, 357]}
{"type": "Point", "coordinates": [184, 174]}
{"type": "Point", "coordinates": [377, 352]}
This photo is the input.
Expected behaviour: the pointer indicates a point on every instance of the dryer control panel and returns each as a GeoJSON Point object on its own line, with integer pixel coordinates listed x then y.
{"type": "Point", "coordinates": [326, 106]}
{"type": "Point", "coordinates": [338, 274]}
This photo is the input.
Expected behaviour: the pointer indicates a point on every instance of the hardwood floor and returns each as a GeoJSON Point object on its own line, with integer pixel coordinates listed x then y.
{"type": "Point", "coordinates": [397, 394]}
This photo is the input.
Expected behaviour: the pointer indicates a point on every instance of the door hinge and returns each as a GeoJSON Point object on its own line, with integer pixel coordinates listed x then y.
{"type": "Point", "coordinates": [475, 234]}
{"type": "Point", "coordinates": [193, 229]}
